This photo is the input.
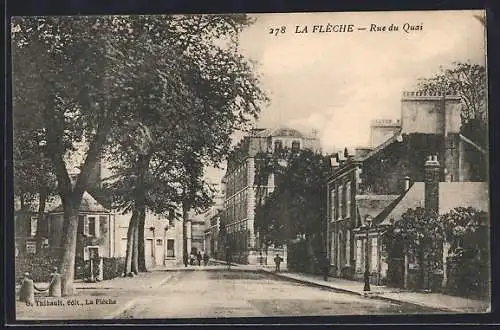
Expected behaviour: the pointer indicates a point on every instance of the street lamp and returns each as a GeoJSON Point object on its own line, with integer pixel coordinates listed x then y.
{"type": "Point", "coordinates": [366, 277]}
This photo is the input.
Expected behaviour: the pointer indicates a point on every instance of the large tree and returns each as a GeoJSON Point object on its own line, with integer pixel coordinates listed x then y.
{"type": "Point", "coordinates": [296, 207]}
{"type": "Point", "coordinates": [77, 79]}
{"type": "Point", "coordinates": [469, 81]}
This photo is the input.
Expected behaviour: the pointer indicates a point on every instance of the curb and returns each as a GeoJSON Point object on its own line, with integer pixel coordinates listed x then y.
{"type": "Point", "coordinates": [370, 296]}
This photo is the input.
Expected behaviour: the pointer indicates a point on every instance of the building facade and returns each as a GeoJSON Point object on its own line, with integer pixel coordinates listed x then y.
{"type": "Point", "coordinates": [240, 189]}
{"type": "Point", "coordinates": [162, 239]}
{"type": "Point", "coordinates": [369, 181]}
{"type": "Point", "coordinates": [95, 236]}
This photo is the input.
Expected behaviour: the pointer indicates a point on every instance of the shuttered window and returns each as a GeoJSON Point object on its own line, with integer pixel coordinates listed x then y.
{"type": "Point", "coordinates": [348, 248]}
{"type": "Point", "coordinates": [359, 255]}
{"type": "Point", "coordinates": [348, 199]}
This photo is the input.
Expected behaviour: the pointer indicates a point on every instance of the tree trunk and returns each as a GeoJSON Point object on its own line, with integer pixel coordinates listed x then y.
{"type": "Point", "coordinates": [140, 205]}
{"type": "Point", "coordinates": [140, 241]}
{"type": "Point", "coordinates": [185, 218]}
{"type": "Point", "coordinates": [42, 199]}
{"type": "Point", "coordinates": [70, 231]}
{"type": "Point", "coordinates": [135, 246]}
{"type": "Point", "coordinates": [127, 271]}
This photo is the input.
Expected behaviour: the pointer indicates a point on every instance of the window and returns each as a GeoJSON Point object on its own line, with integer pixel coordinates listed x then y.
{"type": "Point", "coordinates": [33, 225]}
{"type": "Point", "coordinates": [374, 255]}
{"type": "Point", "coordinates": [91, 226]}
{"type": "Point", "coordinates": [340, 198]}
{"type": "Point", "coordinates": [359, 256]}
{"type": "Point", "coordinates": [159, 242]}
{"type": "Point", "coordinates": [30, 247]}
{"type": "Point", "coordinates": [348, 199]}
{"type": "Point", "coordinates": [348, 248]}
{"type": "Point", "coordinates": [332, 202]}
{"type": "Point", "coordinates": [295, 145]}
{"type": "Point", "coordinates": [278, 145]}
{"type": "Point", "coordinates": [332, 248]}
{"type": "Point", "coordinates": [339, 249]}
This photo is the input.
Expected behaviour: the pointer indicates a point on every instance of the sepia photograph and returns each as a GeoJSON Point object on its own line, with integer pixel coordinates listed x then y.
{"type": "Point", "coordinates": [209, 166]}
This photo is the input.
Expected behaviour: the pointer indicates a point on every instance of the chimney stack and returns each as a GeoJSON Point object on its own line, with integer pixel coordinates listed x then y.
{"type": "Point", "coordinates": [432, 175]}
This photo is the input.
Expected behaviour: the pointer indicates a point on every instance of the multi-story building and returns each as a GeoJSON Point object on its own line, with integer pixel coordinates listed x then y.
{"type": "Point", "coordinates": [240, 189]}
{"type": "Point", "coordinates": [212, 219]}
{"type": "Point", "coordinates": [370, 181]}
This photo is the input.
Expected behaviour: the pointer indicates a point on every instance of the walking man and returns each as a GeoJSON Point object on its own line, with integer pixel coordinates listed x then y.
{"type": "Point", "coordinates": [198, 258]}
{"type": "Point", "coordinates": [277, 262]}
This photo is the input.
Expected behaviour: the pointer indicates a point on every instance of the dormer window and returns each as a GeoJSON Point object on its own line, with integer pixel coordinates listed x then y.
{"type": "Point", "coordinates": [296, 145]}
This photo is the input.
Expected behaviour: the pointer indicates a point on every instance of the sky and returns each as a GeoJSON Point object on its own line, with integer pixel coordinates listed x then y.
{"type": "Point", "coordinates": [337, 83]}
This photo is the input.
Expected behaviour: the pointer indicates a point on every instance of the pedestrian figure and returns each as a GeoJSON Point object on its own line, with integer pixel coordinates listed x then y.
{"type": "Point", "coordinates": [199, 257]}
{"type": "Point", "coordinates": [186, 260]}
{"type": "Point", "coordinates": [277, 261]}
{"type": "Point", "coordinates": [205, 259]}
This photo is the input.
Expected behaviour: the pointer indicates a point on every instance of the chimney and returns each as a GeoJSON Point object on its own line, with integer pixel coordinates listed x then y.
{"type": "Point", "coordinates": [432, 174]}
{"type": "Point", "coordinates": [333, 162]}
{"type": "Point", "coordinates": [407, 183]}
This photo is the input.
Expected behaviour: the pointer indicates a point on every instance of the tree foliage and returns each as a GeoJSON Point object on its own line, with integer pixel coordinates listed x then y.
{"type": "Point", "coordinates": [297, 204]}
{"type": "Point", "coordinates": [92, 79]}
{"type": "Point", "coordinates": [469, 81]}
{"type": "Point", "coordinates": [463, 229]}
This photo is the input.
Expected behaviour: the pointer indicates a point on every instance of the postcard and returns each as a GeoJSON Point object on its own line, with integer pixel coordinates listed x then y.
{"type": "Point", "coordinates": [250, 165]}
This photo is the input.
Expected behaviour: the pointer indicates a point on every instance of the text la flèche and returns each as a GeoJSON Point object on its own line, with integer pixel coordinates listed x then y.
{"type": "Point", "coordinates": [325, 28]}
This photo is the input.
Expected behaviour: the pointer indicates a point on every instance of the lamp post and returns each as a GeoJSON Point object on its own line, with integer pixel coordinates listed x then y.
{"type": "Point", "coordinates": [366, 277]}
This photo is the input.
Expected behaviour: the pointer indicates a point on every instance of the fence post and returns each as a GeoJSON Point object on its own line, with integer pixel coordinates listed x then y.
{"type": "Point", "coordinates": [100, 276]}
{"type": "Point", "coordinates": [55, 284]}
{"type": "Point", "coordinates": [27, 291]}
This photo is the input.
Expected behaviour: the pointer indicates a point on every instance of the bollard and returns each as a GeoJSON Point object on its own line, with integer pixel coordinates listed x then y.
{"type": "Point", "coordinates": [55, 284]}
{"type": "Point", "coordinates": [27, 291]}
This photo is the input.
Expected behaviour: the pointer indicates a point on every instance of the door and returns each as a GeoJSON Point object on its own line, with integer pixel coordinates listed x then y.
{"type": "Point", "coordinates": [149, 253]}
{"type": "Point", "coordinates": [170, 248]}
{"type": "Point", "coordinates": [123, 248]}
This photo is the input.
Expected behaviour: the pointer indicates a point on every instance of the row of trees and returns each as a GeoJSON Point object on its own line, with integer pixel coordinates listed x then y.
{"type": "Point", "coordinates": [157, 96]}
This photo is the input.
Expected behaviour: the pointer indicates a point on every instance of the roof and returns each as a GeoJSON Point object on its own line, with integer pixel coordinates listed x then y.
{"type": "Point", "coordinates": [465, 139]}
{"type": "Point", "coordinates": [451, 195]}
{"type": "Point", "coordinates": [381, 146]}
{"type": "Point", "coordinates": [89, 204]}
{"type": "Point", "coordinates": [372, 205]}
{"type": "Point", "coordinates": [281, 131]}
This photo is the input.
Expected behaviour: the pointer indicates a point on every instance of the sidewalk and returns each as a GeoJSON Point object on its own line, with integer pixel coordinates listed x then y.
{"type": "Point", "coordinates": [100, 300]}
{"type": "Point", "coordinates": [445, 303]}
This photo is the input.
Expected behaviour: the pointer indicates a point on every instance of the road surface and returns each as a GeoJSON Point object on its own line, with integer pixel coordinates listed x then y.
{"type": "Point", "coordinates": [236, 293]}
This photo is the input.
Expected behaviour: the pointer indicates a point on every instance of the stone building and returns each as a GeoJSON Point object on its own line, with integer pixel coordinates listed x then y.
{"type": "Point", "coordinates": [367, 181]}
{"type": "Point", "coordinates": [162, 239]}
{"type": "Point", "coordinates": [240, 189]}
